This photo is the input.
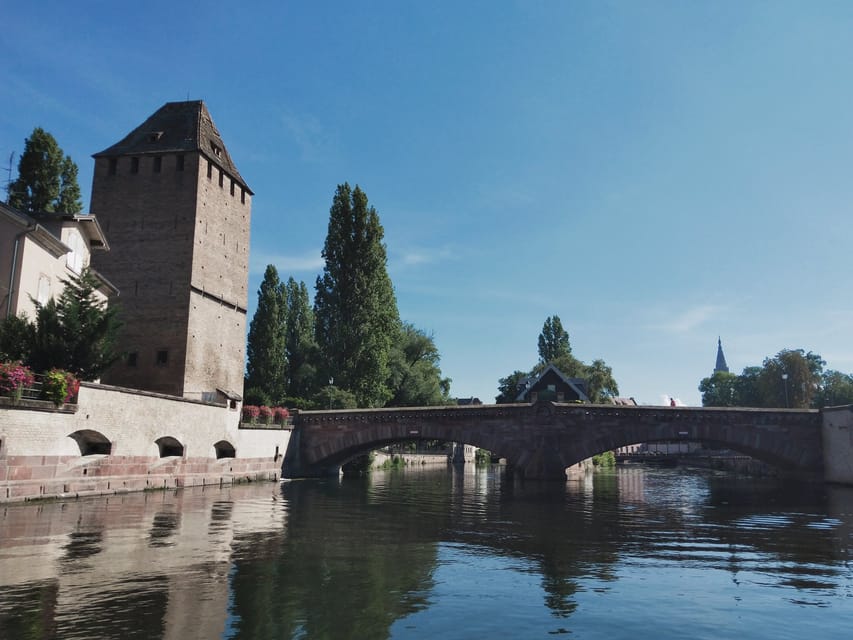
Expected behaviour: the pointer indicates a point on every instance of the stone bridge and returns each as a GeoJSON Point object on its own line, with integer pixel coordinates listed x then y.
{"type": "Point", "coordinates": [541, 440]}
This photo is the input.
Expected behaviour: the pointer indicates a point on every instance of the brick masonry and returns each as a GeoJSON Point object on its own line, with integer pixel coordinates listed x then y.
{"type": "Point", "coordinates": [39, 458]}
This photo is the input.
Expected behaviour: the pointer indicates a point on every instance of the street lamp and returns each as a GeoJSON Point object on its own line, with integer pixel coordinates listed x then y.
{"type": "Point", "coordinates": [331, 382]}
{"type": "Point", "coordinates": [785, 382]}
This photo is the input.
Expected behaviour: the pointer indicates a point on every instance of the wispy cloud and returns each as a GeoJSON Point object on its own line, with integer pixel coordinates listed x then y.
{"type": "Point", "coordinates": [412, 256]}
{"type": "Point", "coordinates": [285, 264]}
{"type": "Point", "coordinates": [687, 320]}
{"type": "Point", "coordinates": [315, 141]}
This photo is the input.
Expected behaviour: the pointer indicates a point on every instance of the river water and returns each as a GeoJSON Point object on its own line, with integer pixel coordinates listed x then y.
{"type": "Point", "coordinates": [631, 553]}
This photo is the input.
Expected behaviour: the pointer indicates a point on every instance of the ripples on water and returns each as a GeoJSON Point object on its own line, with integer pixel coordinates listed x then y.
{"type": "Point", "coordinates": [420, 554]}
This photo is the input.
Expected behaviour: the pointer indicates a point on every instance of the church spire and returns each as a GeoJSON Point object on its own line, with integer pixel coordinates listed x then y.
{"type": "Point", "coordinates": [721, 359]}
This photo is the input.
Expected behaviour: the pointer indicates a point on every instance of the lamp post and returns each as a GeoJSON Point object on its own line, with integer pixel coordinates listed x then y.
{"type": "Point", "coordinates": [331, 382]}
{"type": "Point", "coordinates": [785, 382]}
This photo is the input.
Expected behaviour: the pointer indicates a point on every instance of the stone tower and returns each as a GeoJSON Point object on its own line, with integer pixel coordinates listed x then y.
{"type": "Point", "coordinates": [176, 212]}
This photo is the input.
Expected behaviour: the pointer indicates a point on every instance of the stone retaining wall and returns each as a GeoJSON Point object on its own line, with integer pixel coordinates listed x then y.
{"type": "Point", "coordinates": [39, 458]}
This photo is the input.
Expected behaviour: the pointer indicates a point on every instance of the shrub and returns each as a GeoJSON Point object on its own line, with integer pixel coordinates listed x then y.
{"type": "Point", "coordinates": [265, 414]}
{"type": "Point", "coordinates": [251, 413]}
{"type": "Point", "coordinates": [54, 386]}
{"type": "Point", "coordinates": [73, 386]}
{"type": "Point", "coordinates": [280, 414]}
{"type": "Point", "coordinates": [14, 376]}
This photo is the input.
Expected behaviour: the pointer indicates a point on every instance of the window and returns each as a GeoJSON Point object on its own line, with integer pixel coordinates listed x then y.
{"type": "Point", "coordinates": [242, 196]}
{"type": "Point", "coordinates": [221, 178]}
{"type": "Point", "coordinates": [43, 290]}
{"type": "Point", "coordinates": [132, 359]}
{"type": "Point", "coordinates": [209, 170]}
{"type": "Point", "coordinates": [155, 136]}
{"type": "Point", "coordinates": [134, 165]}
{"type": "Point", "coordinates": [158, 163]}
{"type": "Point", "coordinates": [232, 187]}
{"type": "Point", "coordinates": [179, 162]}
{"type": "Point", "coordinates": [113, 166]}
{"type": "Point", "coordinates": [216, 150]}
{"type": "Point", "coordinates": [74, 259]}
{"type": "Point", "coordinates": [162, 358]}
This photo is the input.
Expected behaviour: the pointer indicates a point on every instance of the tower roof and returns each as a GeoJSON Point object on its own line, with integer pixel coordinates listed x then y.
{"type": "Point", "coordinates": [174, 128]}
{"type": "Point", "coordinates": [721, 358]}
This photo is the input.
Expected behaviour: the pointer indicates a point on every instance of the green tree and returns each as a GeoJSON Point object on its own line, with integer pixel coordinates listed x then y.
{"type": "Point", "coordinates": [601, 385]}
{"type": "Point", "coordinates": [415, 378]}
{"type": "Point", "coordinates": [747, 391]}
{"type": "Point", "coordinates": [16, 338]}
{"type": "Point", "coordinates": [265, 349]}
{"type": "Point", "coordinates": [836, 389]}
{"type": "Point", "coordinates": [719, 390]}
{"type": "Point", "coordinates": [355, 309]}
{"type": "Point", "coordinates": [802, 376]}
{"type": "Point", "coordinates": [300, 346]}
{"type": "Point", "coordinates": [553, 341]}
{"type": "Point", "coordinates": [76, 333]}
{"type": "Point", "coordinates": [508, 387]}
{"type": "Point", "coordinates": [47, 178]}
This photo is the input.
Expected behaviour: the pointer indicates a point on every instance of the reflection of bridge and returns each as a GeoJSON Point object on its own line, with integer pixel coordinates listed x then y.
{"type": "Point", "coordinates": [541, 440]}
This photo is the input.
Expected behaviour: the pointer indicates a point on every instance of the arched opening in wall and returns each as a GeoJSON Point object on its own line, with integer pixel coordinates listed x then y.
{"type": "Point", "coordinates": [169, 447]}
{"type": "Point", "coordinates": [92, 443]}
{"type": "Point", "coordinates": [224, 449]}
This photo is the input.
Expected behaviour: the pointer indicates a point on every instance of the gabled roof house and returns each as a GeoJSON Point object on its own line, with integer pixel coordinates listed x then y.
{"type": "Point", "coordinates": [552, 384]}
{"type": "Point", "coordinates": [39, 251]}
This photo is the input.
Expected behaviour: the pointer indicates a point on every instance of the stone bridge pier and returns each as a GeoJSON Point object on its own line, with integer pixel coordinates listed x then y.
{"type": "Point", "coordinates": [541, 440]}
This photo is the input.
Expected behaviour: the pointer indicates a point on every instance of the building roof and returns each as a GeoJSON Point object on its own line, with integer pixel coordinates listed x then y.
{"type": "Point", "coordinates": [575, 384]}
{"type": "Point", "coordinates": [721, 358]}
{"type": "Point", "coordinates": [174, 128]}
{"type": "Point", "coordinates": [38, 232]}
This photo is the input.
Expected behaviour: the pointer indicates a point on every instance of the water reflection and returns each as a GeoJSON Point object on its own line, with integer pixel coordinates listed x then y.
{"type": "Point", "coordinates": [461, 553]}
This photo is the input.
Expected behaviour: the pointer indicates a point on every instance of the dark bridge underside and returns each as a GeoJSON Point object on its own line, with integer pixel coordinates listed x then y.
{"type": "Point", "coordinates": [541, 440]}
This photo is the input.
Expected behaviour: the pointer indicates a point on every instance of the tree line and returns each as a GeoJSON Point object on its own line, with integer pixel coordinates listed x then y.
{"type": "Point", "coordinates": [792, 378]}
{"type": "Point", "coordinates": [554, 348]}
{"type": "Point", "coordinates": [350, 349]}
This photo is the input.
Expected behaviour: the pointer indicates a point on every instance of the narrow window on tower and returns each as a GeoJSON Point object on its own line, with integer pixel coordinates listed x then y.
{"type": "Point", "coordinates": [221, 178]}
{"type": "Point", "coordinates": [134, 165]}
{"type": "Point", "coordinates": [179, 162]}
{"type": "Point", "coordinates": [232, 187]}
{"type": "Point", "coordinates": [209, 170]}
{"type": "Point", "coordinates": [158, 163]}
{"type": "Point", "coordinates": [242, 196]}
{"type": "Point", "coordinates": [113, 168]}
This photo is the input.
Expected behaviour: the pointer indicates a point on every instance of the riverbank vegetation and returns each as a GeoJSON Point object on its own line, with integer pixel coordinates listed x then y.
{"type": "Point", "coordinates": [792, 378]}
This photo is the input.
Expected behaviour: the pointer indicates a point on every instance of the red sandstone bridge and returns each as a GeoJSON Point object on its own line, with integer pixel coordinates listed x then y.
{"type": "Point", "coordinates": [541, 440]}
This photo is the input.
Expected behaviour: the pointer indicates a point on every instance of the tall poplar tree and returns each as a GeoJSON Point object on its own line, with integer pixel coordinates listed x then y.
{"type": "Point", "coordinates": [266, 365]}
{"type": "Point", "coordinates": [300, 347]}
{"type": "Point", "coordinates": [355, 309]}
{"type": "Point", "coordinates": [47, 178]}
{"type": "Point", "coordinates": [553, 341]}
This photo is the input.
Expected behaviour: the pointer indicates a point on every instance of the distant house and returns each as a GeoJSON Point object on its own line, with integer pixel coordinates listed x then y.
{"type": "Point", "coordinates": [39, 251]}
{"type": "Point", "coordinates": [468, 401]}
{"type": "Point", "coordinates": [552, 384]}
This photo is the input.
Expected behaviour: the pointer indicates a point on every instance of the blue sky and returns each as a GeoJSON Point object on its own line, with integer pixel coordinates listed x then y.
{"type": "Point", "coordinates": [655, 173]}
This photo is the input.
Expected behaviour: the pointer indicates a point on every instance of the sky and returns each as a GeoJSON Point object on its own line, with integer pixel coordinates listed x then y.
{"type": "Point", "coordinates": [657, 174]}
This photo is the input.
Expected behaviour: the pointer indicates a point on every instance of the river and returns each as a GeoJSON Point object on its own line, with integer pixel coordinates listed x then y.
{"type": "Point", "coordinates": [630, 553]}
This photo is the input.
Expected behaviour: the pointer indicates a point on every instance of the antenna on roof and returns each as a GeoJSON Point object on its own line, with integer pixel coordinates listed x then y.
{"type": "Point", "coordinates": [9, 179]}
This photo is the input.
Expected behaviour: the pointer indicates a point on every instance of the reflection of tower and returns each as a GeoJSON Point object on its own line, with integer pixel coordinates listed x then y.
{"type": "Point", "coordinates": [721, 359]}
{"type": "Point", "coordinates": [176, 212]}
